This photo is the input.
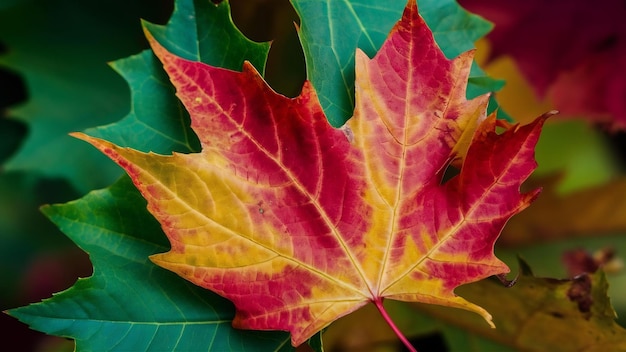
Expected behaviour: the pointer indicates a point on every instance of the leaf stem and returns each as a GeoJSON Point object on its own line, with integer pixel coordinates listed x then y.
{"type": "Point", "coordinates": [378, 302]}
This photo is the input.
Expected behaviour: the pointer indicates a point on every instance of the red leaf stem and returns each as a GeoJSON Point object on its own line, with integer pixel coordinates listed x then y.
{"type": "Point", "coordinates": [379, 305]}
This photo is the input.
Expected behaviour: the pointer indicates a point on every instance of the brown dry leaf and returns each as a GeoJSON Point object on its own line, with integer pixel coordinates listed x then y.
{"type": "Point", "coordinates": [539, 314]}
{"type": "Point", "coordinates": [592, 211]}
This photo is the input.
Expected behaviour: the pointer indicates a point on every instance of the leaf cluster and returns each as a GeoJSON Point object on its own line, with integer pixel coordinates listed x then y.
{"type": "Point", "coordinates": [128, 303]}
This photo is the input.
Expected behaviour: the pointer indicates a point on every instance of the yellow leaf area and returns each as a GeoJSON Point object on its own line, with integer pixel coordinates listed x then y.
{"type": "Point", "coordinates": [298, 223]}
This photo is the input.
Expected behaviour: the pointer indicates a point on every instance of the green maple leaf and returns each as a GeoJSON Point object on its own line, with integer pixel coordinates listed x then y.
{"type": "Point", "coordinates": [200, 31]}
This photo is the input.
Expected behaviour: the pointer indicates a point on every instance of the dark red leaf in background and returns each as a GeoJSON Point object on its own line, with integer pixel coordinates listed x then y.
{"type": "Point", "coordinates": [572, 51]}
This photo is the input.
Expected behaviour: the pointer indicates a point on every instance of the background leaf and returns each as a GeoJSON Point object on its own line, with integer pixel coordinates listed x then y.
{"type": "Point", "coordinates": [595, 210]}
{"type": "Point", "coordinates": [204, 32]}
{"type": "Point", "coordinates": [198, 30]}
{"type": "Point", "coordinates": [582, 52]}
{"type": "Point", "coordinates": [157, 121]}
{"type": "Point", "coordinates": [331, 31]}
{"type": "Point", "coordinates": [129, 303]}
{"type": "Point", "coordinates": [540, 314]}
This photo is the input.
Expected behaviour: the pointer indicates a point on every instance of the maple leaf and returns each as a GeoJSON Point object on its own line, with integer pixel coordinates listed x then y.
{"type": "Point", "coordinates": [299, 223]}
{"type": "Point", "coordinates": [568, 50]}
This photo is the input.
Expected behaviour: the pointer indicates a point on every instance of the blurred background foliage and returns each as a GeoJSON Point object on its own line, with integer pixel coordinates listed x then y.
{"type": "Point", "coordinates": [54, 79]}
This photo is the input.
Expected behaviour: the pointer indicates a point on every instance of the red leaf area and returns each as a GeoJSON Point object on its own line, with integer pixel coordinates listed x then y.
{"type": "Point", "coordinates": [298, 223]}
{"type": "Point", "coordinates": [572, 51]}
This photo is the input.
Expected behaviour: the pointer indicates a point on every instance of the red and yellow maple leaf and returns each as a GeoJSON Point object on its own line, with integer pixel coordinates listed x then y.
{"type": "Point", "coordinates": [298, 223]}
